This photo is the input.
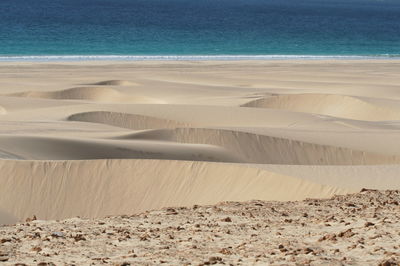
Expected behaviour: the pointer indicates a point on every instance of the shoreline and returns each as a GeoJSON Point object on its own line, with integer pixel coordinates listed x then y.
{"type": "Point", "coordinates": [192, 63]}
{"type": "Point", "coordinates": [185, 58]}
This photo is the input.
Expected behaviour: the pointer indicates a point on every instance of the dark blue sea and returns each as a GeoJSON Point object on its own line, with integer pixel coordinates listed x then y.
{"type": "Point", "coordinates": [140, 29]}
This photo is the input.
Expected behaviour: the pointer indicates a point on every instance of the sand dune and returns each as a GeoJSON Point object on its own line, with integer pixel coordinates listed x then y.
{"type": "Point", "coordinates": [55, 190]}
{"type": "Point", "coordinates": [113, 83]}
{"type": "Point", "coordinates": [201, 116]}
{"type": "Point", "coordinates": [6, 218]}
{"type": "Point", "coordinates": [327, 104]}
{"type": "Point", "coordinates": [264, 149]}
{"type": "Point", "coordinates": [197, 144]}
{"type": "Point", "coordinates": [52, 148]}
{"type": "Point", "coordinates": [132, 121]}
{"type": "Point", "coordinates": [380, 177]}
{"type": "Point", "coordinates": [252, 147]}
{"type": "Point", "coordinates": [2, 110]}
{"type": "Point", "coordinates": [273, 150]}
{"type": "Point", "coordinates": [18, 104]}
{"type": "Point", "coordinates": [380, 141]}
{"type": "Point", "coordinates": [145, 135]}
{"type": "Point", "coordinates": [98, 94]}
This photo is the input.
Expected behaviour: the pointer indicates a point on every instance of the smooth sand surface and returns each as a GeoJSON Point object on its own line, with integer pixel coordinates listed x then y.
{"type": "Point", "coordinates": [108, 138]}
{"type": "Point", "coordinates": [93, 189]}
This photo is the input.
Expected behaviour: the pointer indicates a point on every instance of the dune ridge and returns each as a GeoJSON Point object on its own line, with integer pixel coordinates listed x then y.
{"type": "Point", "coordinates": [327, 104]}
{"type": "Point", "coordinates": [3, 110]}
{"type": "Point", "coordinates": [63, 148]}
{"type": "Point", "coordinates": [131, 121]}
{"type": "Point", "coordinates": [112, 83]}
{"type": "Point", "coordinates": [254, 148]}
{"type": "Point", "coordinates": [129, 186]}
{"type": "Point", "coordinates": [137, 136]}
{"type": "Point", "coordinates": [98, 94]}
{"type": "Point", "coordinates": [272, 150]}
{"type": "Point", "coordinates": [264, 149]}
{"type": "Point", "coordinates": [78, 93]}
{"type": "Point", "coordinates": [378, 177]}
{"type": "Point", "coordinates": [199, 144]}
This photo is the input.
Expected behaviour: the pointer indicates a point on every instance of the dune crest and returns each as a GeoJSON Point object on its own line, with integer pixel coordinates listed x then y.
{"type": "Point", "coordinates": [113, 83]}
{"type": "Point", "coordinates": [327, 104]}
{"type": "Point", "coordinates": [131, 121]}
{"type": "Point", "coordinates": [3, 111]}
{"type": "Point", "coordinates": [264, 149]}
{"type": "Point", "coordinates": [111, 187]}
{"type": "Point", "coordinates": [97, 94]}
{"type": "Point", "coordinates": [196, 144]}
{"type": "Point", "coordinates": [78, 93]}
{"type": "Point", "coordinates": [272, 150]}
{"type": "Point", "coordinates": [56, 148]}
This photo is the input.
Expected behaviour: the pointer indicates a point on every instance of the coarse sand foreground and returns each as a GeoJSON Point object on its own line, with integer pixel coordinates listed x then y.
{"type": "Point", "coordinates": [355, 229]}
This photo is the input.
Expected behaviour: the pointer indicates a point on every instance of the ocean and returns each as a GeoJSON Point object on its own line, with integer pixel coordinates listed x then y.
{"type": "Point", "coordinates": [198, 29]}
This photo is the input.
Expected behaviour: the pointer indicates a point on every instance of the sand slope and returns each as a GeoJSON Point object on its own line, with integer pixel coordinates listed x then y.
{"type": "Point", "coordinates": [197, 144]}
{"type": "Point", "coordinates": [256, 148]}
{"type": "Point", "coordinates": [98, 138]}
{"type": "Point", "coordinates": [380, 177]}
{"type": "Point", "coordinates": [113, 83]}
{"type": "Point", "coordinates": [2, 110]}
{"type": "Point", "coordinates": [51, 148]}
{"type": "Point", "coordinates": [98, 94]}
{"type": "Point", "coordinates": [126, 120]}
{"type": "Point", "coordinates": [327, 104]}
{"type": "Point", "coordinates": [104, 187]}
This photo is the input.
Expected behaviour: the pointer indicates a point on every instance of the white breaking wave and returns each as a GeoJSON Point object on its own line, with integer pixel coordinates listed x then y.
{"type": "Point", "coordinates": [46, 58]}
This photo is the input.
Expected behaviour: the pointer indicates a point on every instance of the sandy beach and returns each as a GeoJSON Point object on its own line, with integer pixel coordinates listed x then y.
{"type": "Point", "coordinates": [102, 138]}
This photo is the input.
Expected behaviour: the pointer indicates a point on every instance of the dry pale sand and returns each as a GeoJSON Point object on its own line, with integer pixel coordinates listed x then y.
{"type": "Point", "coordinates": [92, 139]}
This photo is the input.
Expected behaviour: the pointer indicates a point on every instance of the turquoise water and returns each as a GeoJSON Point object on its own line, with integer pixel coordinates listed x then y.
{"type": "Point", "coordinates": [198, 29]}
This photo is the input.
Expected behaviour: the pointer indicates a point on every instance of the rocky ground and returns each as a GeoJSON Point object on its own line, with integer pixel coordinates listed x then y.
{"type": "Point", "coordinates": [358, 229]}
